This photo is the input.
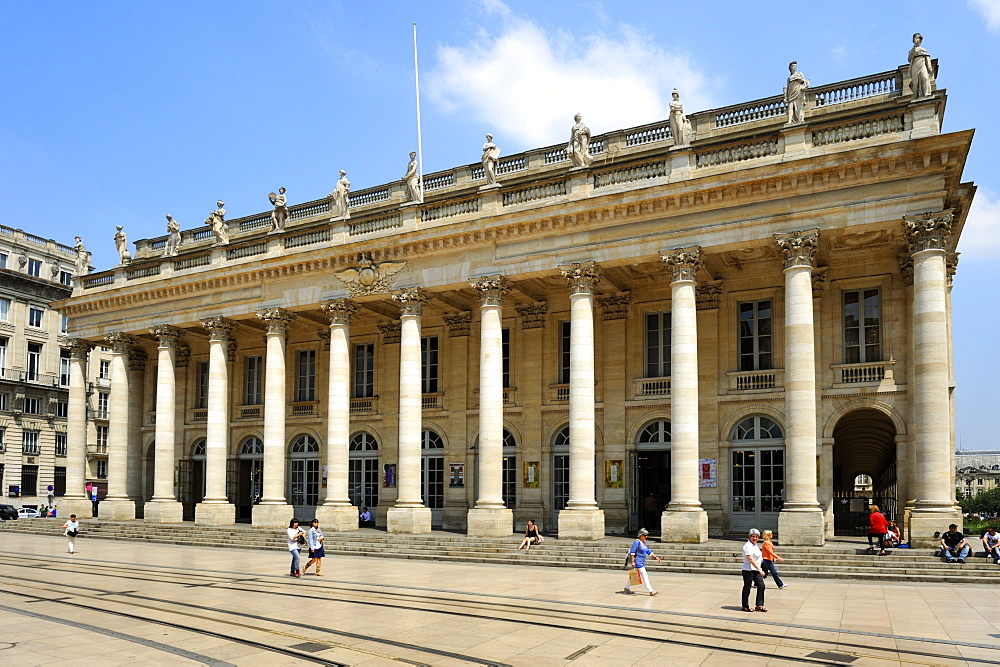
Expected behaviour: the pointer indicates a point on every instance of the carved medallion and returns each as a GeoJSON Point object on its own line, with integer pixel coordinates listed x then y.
{"type": "Point", "coordinates": [370, 278]}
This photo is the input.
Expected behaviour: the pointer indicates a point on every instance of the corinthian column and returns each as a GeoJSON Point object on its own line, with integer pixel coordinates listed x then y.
{"type": "Point", "coordinates": [801, 521]}
{"type": "Point", "coordinates": [215, 509]}
{"type": "Point", "coordinates": [164, 507]}
{"type": "Point", "coordinates": [934, 485]}
{"type": "Point", "coordinates": [581, 519]}
{"type": "Point", "coordinates": [336, 513]}
{"type": "Point", "coordinates": [272, 510]}
{"type": "Point", "coordinates": [490, 518]}
{"type": "Point", "coordinates": [117, 506]}
{"type": "Point", "coordinates": [684, 519]}
{"type": "Point", "coordinates": [409, 514]}
{"type": "Point", "coordinates": [75, 501]}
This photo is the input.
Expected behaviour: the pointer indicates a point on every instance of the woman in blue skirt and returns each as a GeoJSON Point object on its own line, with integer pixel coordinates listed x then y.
{"type": "Point", "coordinates": [315, 539]}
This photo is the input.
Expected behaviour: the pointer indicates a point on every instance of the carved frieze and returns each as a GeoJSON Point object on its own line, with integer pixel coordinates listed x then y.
{"type": "Point", "coordinates": [859, 241]}
{"type": "Point", "coordinates": [749, 256]}
{"type": "Point", "coordinates": [369, 277]}
{"type": "Point", "coordinates": [458, 325]}
{"type": "Point", "coordinates": [929, 231]}
{"type": "Point", "coordinates": [411, 301]}
{"type": "Point", "coordinates": [798, 248]}
{"type": "Point", "coordinates": [491, 289]}
{"type": "Point", "coordinates": [120, 342]}
{"type": "Point", "coordinates": [340, 311]}
{"type": "Point", "coordinates": [390, 332]}
{"type": "Point", "coordinates": [166, 334]}
{"type": "Point", "coordinates": [707, 295]}
{"type": "Point", "coordinates": [682, 263]}
{"type": "Point", "coordinates": [219, 328]}
{"type": "Point", "coordinates": [615, 306]}
{"type": "Point", "coordinates": [183, 355]}
{"type": "Point", "coordinates": [277, 319]}
{"type": "Point", "coordinates": [582, 277]}
{"type": "Point", "coordinates": [818, 279]}
{"type": "Point", "coordinates": [532, 315]}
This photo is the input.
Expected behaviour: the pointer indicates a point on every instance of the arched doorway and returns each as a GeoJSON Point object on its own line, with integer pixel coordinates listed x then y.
{"type": "Point", "coordinates": [560, 474]}
{"type": "Point", "coordinates": [149, 472]}
{"type": "Point", "coordinates": [432, 474]}
{"type": "Point", "coordinates": [864, 443]}
{"type": "Point", "coordinates": [362, 472]}
{"type": "Point", "coordinates": [508, 472]}
{"type": "Point", "coordinates": [757, 473]}
{"type": "Point", "coordinates": [249, 478]}
{"type": "Point", "coordinates": [191, 479]}
{"type": "Point", "coordinates": [649, 468]}
{"type": "Point", "coordinates": [303, 476]}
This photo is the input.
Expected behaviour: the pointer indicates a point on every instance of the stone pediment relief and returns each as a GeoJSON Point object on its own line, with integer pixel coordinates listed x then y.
{"type": "Point", "coordinates": [750, 256]}
{"type": "Point", "coordinates": [369, 277]}
{"type": "Point", "coordinates": [860, 241]}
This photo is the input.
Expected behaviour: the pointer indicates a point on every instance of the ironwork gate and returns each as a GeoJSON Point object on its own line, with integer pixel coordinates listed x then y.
{"type": "Point", "coordinates": [850, 511]}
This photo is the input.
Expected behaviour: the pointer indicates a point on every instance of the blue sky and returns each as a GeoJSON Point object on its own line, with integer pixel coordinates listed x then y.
{"type": "Point", "coordinates": [116, 113]}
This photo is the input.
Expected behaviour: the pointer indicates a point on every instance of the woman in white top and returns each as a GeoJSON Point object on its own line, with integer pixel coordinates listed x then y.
{"type": "Point", "coordinates": [753, 575]}
{"type": "Point", "coordinates": [294, 533]}
{"type": "Point", "coordinates": [71, 529]}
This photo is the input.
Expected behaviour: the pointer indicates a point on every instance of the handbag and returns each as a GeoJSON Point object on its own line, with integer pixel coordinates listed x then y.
{"type": "Point", "coordinates": [302, 540]}
{"type": "Point", "coordinates": [635, 577]}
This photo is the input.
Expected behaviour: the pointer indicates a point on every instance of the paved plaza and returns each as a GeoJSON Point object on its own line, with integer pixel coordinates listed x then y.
{"type": "Point", "coordinates": [124, 602]}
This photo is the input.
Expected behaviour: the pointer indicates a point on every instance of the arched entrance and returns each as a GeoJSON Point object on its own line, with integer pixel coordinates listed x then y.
{"type": "Point", "coordinates": [649, 468]}
{"type": "Point", "coordinates": [757, 473]}
{"type": "Point", "coordinates": [149, 472]}
{"type": "Point", "coordinates": [303, 476]}
{"type": "Point", "coordinates": [191, 479]}
{"type": "Point", "coordinates": [432, 474]}
{"type": "Point", "coordinates": [249, 478]}
{"type": "Point", "coordinates": [362, 472]}
{"type": "Point", "coordinates": [560, 474]}
{"type": "Point", "coordinates": [864, 444]}
{"type": "Point", "coordinates": [508, 484]}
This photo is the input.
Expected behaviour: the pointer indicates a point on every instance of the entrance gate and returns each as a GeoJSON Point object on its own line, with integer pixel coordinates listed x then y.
{"type": "Point", "coordinates": [850, 511]}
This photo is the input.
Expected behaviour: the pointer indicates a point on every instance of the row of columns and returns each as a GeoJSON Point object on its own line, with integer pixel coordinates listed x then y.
{"type": "Point", "coordinates": [800, 522]}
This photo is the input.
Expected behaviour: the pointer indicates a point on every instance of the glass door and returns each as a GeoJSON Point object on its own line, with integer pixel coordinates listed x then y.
{"type": "Point", "coordinates": [758, 488]}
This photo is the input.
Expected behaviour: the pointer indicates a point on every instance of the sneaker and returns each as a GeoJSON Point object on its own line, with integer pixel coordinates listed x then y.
{"type": "Point", "coordinates": [961, 560]}
{"type": "Point", "coordinates": [782, 586]}
{"type": "Point", "coordinates": [627, 591]}
{"type": "Point", "coordinates": [652, 593]}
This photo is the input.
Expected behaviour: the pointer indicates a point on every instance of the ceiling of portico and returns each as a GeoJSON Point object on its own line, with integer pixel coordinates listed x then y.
{"type": "Point", "coordinates": [864, 443]}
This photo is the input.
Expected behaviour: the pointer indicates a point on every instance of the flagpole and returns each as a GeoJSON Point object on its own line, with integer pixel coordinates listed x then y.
{"type": "Point", "coordinates": [420, 147]}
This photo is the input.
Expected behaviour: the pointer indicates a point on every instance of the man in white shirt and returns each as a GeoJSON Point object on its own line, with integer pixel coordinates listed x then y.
{"type": "Point", "coordinates": [753, 575]}
{"type": "Point", "coordinates": [991, 543]}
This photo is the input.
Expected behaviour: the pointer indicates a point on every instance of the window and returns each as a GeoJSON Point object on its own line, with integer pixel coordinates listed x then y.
{"type": "Point", "coordinates": [201, 391]}
{"type": "Point", "coordinates": [102, 469]}
{"type": "Point", "coordinates": [59, 481]}
{"type": "Point", "coordinates": [304, 472]}
{"type": "Point", "coordinates": [363, 473]}
{"type": "Point", "coordinates": [564, 332]}
{"type": "Point", "coordinates": [34, 267]}
{"type": "Point", "coordinates": [104, 371]}
{"type": "Point", "coordinates": [658, 345]}
{"type": "Point", "coordinates": [254, 380]}
{"type": "Point", "coordinates": [429, 364]}
{"type": "Point", "coordinates": [62, 409]}
{"type": "Point", "coordinates": [3, 355]}
{"type": "Point", "coordinates": [102, 404]}
{"type": "Point", "coordinates": [32, 406]}
{"type": "Point", "coordinates": [364, 370]}
{"type": "Point", "coordinates": [4, 310]}
{"type": "Point", "coordinates": [64, 324]}
{"type": "Point", "coordinates": [3, 438]}
{"type": "Point", "coordinates": [755, 336]}
{"type": "Point", "coordinates": [3, 260]}
{"type": "Point", "coordinates": [35, 317]}
{"type": "Point", "coordinates": [307, 376]}
{"type": "Point", "coordinates": [862, 326]}
{"type": "Point", "coordinates": [29, 481]}
{"type": "Point", "coordinates": [66, 278]}
{"type": "Point", "coordinates": [102, 440]}
{"type": "Point", "coordinates": [34, 361]}
{"type": "Point", "coordinates": [505, 355]}
{"type": "Point", "coordinates": [757, 428]}
{"type": "Point", "coordinates": [61, 446]}
{"type": "Point", "coordinates": [29, 442]}
{"type": "Point", "coordinates": [3, 401]}
{"type": "Point", "coordinates": [432, 470]}
{"type": "Point", "coordinates": [64, 357]}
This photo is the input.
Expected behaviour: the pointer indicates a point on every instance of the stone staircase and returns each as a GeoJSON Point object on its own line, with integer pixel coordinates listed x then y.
{"type": "Point", "coordinates": [839, 559]}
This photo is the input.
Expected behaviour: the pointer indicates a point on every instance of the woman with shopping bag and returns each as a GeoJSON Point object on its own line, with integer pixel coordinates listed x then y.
{"type": "Point", "coordinates": [636, 562]}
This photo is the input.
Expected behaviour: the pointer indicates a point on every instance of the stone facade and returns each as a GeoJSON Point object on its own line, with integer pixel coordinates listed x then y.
{"type": "Point", "coordinates": [723, 328]}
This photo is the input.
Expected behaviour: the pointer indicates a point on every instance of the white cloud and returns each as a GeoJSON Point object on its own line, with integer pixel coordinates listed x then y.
{"type": "Point", "coordinates": [981, 234]}
{"type": "Point", "coordinates": [990, 9]}
{"type": "Point", "coordinates": [524, 83]}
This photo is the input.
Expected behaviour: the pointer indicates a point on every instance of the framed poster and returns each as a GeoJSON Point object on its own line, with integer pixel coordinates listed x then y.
{"type": "Point", "coordinates": [706, 473]}
{"type": "Point", "coordinates": [457, 477]}
{"type": "Point", "coordinates": [613, 478]}
{"type": "Point", "coordinates": [531, 474]}
{"type": "Point", "coordinates": [389, 476]}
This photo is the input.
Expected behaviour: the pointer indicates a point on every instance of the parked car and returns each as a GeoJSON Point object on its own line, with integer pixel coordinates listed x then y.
{"type": "Point", "coordinates": [28, 513]}
{"type": "Point", "coordinates": [7, 512]}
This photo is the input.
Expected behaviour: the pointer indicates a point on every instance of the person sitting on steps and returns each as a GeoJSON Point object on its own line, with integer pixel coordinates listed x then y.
{"type": "Point", "coordinates": [953, 545]}
{"type": "Point", "coordinates": [531, 536]}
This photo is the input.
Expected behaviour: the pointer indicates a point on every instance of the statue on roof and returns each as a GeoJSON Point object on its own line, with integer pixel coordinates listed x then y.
{"type": "Point", "coordinates": [173, 237]}
{"type": "Point", "coordinates": [279, 216]}
{"type": "Point", "coordinates": [795, 94]}
{"type": "Point", "coordinates": [491, 153]}
{"type": "Point", "coordinates": [680, 126]}
{"type": "Point", "coordinates": [82, 257]}
{"type": "Point", "coordinates": [921, 69]}
{"type": "Point", "coordinates": [121, 245]}
{"type": "Point", "coordinates": [341, 197]}
{"type": "Point", "coordinates": [412, 180]}
{"type": "Point", "coordinates": [217, 221]}
{"type": "Point", "coordinates": [578, 148]}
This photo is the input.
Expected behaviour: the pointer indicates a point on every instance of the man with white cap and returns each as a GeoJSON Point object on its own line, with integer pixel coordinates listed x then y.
{"type": "Point", "coordinates": [753, 575]}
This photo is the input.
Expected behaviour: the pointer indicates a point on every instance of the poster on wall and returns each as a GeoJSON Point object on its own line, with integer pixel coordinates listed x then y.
{"type": "Point", "coordinates": [613, 474]}
{"type": "Point", "coordinates": [389, 476]}
{"type": "Point", "coordinates": [531, 474]}
{"type": "Point", "coordinates": [457, 475]}
{"type": "Point", "coordinates": [706, 473]}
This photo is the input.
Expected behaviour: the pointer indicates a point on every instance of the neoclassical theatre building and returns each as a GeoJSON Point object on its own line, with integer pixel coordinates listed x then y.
{"type": "Point", "coordinates": [701, 325]}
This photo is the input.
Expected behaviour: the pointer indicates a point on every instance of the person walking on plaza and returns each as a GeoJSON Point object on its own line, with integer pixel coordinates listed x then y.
{"type": "Point", "coordinates": [753, 575]}
{"type": "Point", "coordinates": [315, 540]}
{"type": "Point", "coordinates": [294, 535]}
{"type": "Point", "coordinates": [768, 558]}
{"type": "Point", "coordinates": [637, 555]}
{"type": "Point", "coordinates": [877, 528]}
{"type": "Point", "coordinates": [71, 529]}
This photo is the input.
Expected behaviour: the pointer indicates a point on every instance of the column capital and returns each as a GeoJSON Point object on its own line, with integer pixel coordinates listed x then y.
{"type": "Point", "coordinates": [411, 301]}
{"type": "Point", "coordinates": [340, 311]}
{"type": "Point", "coordinates": [276, 319]}
{"type": "Point", "coordinates": [491, 289]}
{"type": "Point", "coordinates": [683, 263]}
{"type": "Point", "coordinates": [928, 231]}
{"type": "Point", "coordinates": [798, 248]}
{"type": "Point", "coordinates": [458, 324]}
{"type": "Point", "coordinates": [219, 328]}
{"type": "Point", "coordinates": [120, 342]}
{"type": "Point", "coordinates": [615, 306]}
{"type": "Point", "coordinates": [532, 315]}
{"type": "Point", "coordinates": [582, 277]}
{"type": "Point", "coordinates": [80, 348]}
{"type": "Point", "coordinates": [166, 334]}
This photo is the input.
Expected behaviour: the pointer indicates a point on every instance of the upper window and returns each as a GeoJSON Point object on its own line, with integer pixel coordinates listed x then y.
{"type": "Point", "coordinates": [64, 360]}
{"type": "Point", "coordinates": [64, 325]}
{"type": "Point", "coordinates": [4, 310]}
{"type": "Point", "coordinates": [61, 445]}
{"type": "Point", "coordinates": [307, 376]}
{"type": "Point", "coordinates": [564, 336]}
{"type": "Point", "coordinates": [104, 369]}
{"type": "Point", "coordinates": [862, 326]}
{"type": "Point", "coordinates": [29, 442]}
{"type": "Point", "coordinates": [32, 406]}
{"type": "Point", "coordinates": [505, 356]}
{"type": "Point", "coordinates": [755, 336]}
{"type": "Point", "coordinates": [34, 362]}
{"type": "Point", "coordinates": [35, 317]}
{"type": "Point", "coordinates": [757, 428]}
{"type": "Point", "coordinates": [66, 278]}
{"type": "Point", "coordinates": [364, 370]}
{"type": "Point", "coordinates": [658, 345]}
{"type": "Point", "coordinates": [3, 260]}
{"type": "Point", "coordinates": [34, 267]}
{"type": "Point", "coordinates": [253, 381]}
{"type": "Point", "coordinates": [429, 364]}
{"type": "Point", "coordinates": [201, 396]}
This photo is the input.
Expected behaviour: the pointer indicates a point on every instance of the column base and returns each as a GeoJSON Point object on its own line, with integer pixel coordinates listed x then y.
{"type": "Point", "coordinates": [923, 524]}
{"type": "Point", "coordinates": [275, 515]}
{"type": "Point", "coordinates": [81, 507]}
{"type": "Point", "coordinates": [116, 510]}
{"type": "Point", "coordinates": [494, 522]}
{"type": "Point", "coordinates": [163, 511]}
{"type": "Point", "coordinates": [806, 529]}
{"type": "Point", "coordinates": [581, 524]}
{"type": "Point", "coordinates": [215, 514]}
{"type": "Point", "coordinates": [687, 527]}
{"type": "Point", "coordinates": [338, 518]}
{"type": "Point", "coordinates": [408, 520]}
